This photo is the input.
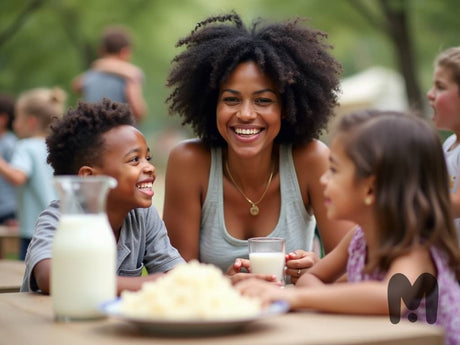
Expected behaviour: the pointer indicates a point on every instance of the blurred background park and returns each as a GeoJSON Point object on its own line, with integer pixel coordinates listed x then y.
{"type": "Point", "coordinates": [386, 47]}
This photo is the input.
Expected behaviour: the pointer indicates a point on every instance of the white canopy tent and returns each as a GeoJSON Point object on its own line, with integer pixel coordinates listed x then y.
{"type": "Point", "coordinates": [374, 88]}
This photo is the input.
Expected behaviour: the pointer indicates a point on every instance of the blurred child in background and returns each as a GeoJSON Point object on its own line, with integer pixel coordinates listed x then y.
{"type": "Point", "coordinates": [7, 142]}
{"type": "Point", "coordinates": [28, 169]}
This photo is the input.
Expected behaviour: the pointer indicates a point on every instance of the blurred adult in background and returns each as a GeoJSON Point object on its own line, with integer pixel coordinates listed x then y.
{"type": "Point", "coordinates": [112, 75]}
{"type": "Point", "coordinates": [7, 142]}
{"type": "Point", "coordinates": [257, 99]}
{"type": "Point", "coordinates": [28, 169]}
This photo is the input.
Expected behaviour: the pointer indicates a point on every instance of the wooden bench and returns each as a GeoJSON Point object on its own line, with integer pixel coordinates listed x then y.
{"type": "Point", "coordinates": [9, 242]}
{"type": "Point", "coordinates": [11, 275]}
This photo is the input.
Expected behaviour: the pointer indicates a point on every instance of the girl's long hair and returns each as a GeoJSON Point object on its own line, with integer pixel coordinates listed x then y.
{"type": "Point", "coordinates": [412, 205]}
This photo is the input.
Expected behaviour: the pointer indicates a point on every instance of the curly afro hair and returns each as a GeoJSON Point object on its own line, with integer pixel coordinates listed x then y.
{"type": "Point", "coordinates": [77, 138]}
{"type": "Point", "coordinates": [292, 54]}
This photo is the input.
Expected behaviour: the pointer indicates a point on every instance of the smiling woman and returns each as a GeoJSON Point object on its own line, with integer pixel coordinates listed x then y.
{"type": "Point", "coordinates": [257, 99]}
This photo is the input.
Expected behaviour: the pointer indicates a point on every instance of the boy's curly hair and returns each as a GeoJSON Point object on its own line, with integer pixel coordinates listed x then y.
{"type": "Point", "coordinates": [76, 138]}
{"type": "Point", "coordinates": [292, 54]}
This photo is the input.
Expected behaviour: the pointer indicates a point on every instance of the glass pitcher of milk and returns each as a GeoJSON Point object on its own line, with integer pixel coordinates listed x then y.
{"type": "Point", "coordinates": [83, 265]}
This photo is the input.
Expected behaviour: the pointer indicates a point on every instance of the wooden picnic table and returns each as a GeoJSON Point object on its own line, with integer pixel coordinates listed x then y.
{"type": "Point", "coordinates": [27, 318]}
{"type": "Point", "coordinates": [9, 241]}
{"type": "Point", "coordinates": [11, 275]}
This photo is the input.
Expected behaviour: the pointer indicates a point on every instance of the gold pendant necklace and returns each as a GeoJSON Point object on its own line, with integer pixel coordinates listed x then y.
{"type": "Point", "coordinates": [254, 209]}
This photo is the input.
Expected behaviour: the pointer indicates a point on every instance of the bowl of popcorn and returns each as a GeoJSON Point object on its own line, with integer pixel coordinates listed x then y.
{"type": "Point", "coordinates": [192, 298]}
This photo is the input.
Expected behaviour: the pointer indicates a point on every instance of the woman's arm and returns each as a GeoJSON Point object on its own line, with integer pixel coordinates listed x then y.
{"type": "Point", "coordinates": [455, 200]}
{"type": "Point", "coordinates": [187, 176]}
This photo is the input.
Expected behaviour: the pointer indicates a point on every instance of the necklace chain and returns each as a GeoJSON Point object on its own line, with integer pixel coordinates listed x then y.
{"type": "Point", "coordinates": [254, 210]}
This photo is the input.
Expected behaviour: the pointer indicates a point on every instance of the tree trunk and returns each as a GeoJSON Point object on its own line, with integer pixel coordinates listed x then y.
{"type": "Point", "coordinates": [397, 29]}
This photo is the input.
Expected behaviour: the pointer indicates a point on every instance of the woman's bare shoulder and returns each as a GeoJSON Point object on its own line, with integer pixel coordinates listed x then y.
{"type": "Point", "coordinates": [190, 150]}
{"type": "Point", "coordinates": [188, 166]}
{"type": "Point", "coordinates": [312, 152]}
{"type": "Point", "coordinates": [191, 160]}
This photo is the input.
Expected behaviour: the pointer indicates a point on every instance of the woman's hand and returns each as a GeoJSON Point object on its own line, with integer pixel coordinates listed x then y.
{"type": "Point", "coordinates": [298, 262]}
{"type": "Point", "coordinates": [239, 271]}
{"type": "Point", "coordinates": [238, 265]}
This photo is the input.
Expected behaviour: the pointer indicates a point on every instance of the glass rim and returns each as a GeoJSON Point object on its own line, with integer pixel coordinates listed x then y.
{"type": "Point", "coordinates": [266, 239]}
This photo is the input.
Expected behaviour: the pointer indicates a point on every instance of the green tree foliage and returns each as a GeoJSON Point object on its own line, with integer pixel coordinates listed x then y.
{"type": "Point", "coordinates": [48, 42]}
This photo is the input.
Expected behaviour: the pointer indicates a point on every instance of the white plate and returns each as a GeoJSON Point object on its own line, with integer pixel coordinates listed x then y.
{"type": "Point", "coordinates": [184, 327]}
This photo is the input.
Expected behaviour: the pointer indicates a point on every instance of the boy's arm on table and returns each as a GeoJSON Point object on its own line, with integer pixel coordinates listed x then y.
{"type": "Point", "coordinates": [42, 273]}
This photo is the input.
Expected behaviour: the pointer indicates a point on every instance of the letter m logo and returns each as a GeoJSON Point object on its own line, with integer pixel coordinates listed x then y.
{"type": "Point", "coordinates": [399, 287]}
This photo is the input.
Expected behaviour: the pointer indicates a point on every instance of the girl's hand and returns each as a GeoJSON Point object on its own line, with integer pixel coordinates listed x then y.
{"type": "Point", "coordinates": [265, 291]}
{"type": "Point", "coordinates": [239, 271]}
{"type": "Point", "coordinates": [298, 262]}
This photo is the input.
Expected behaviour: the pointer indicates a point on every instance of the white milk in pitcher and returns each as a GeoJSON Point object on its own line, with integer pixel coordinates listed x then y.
{"type": "Point", "coordinates": [83, 266]}
{"type": "Point", "coordinates": [268, 263]}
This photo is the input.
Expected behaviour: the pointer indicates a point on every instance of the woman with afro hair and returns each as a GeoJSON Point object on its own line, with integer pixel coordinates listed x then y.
{"type": "Point", "coordinates": [257, 99]}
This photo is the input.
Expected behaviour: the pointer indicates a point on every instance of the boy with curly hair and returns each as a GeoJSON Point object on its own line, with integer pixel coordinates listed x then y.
{"type": "Point", "coordinates": [100, 139]}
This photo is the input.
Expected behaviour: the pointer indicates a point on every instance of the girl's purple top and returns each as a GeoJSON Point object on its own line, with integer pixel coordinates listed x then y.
{"type": "Point", "coordinates": [448, 315]}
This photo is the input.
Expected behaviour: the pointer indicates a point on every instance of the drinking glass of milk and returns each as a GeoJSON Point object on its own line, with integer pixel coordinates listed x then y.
{"type": "Point", "coordinates": [83, 265]}
{"type": "Point", "coordinates": [267, 256]}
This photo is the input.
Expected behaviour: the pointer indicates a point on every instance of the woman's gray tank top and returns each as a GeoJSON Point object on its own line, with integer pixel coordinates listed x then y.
{"type": "Point", "coordinates": [218, 247]}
